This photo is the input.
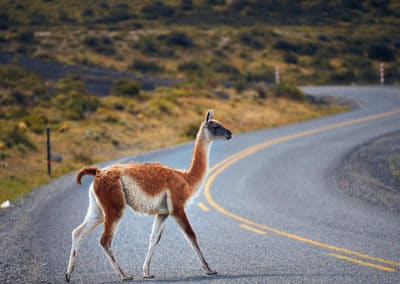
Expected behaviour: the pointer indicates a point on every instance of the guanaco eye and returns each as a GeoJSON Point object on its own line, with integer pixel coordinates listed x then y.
{"type": "Point", "coordinates": [215, 127]}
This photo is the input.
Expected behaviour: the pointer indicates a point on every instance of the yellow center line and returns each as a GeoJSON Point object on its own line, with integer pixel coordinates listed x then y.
{"type": "Point", "coordinates": [360, 262]}
{"type": "Point", "coordinates": [203, 207]}
{"type": "Point", "coordinates": [224, 164]}
{"type": "Point", "coordinates": [253, 229]}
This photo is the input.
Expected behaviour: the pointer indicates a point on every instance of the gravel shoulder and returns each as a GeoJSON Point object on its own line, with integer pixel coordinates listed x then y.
{"type": "Point", "coordinates": [367, 172]}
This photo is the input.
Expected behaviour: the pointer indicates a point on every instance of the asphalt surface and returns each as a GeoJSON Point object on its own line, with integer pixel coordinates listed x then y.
{"type": "Point", "coordinates": [275, 212]}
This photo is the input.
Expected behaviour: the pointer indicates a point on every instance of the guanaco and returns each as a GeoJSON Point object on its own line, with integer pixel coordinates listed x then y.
{"type": "Point", "coordinates": [149, 188]}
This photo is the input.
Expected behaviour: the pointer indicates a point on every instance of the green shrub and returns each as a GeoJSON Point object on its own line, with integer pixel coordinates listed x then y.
{"type": "Point", "coordinates": [151, 47]}
{"type": "Point", "coordinates": [24, 87]}
{"type": "Point", "coordinates": [301, 48]}
{"type": "Point", "coordinates": [4, 21]}
{"type": "Point", "coordinates": [251, 41]}
{"type": "Point", "coordinates": [381, 52]}
{"type": "Point", "coordinates": [289, 91]}
{"type": "Point", "coordinates": [266, 75]}
{"type": "Point", "coordinates": [37, 123]}
{"type": "Point", "coordinates": [26, 36]}
{"type": "Point", "coordinates": [157, 10]}
{"type": "Point", "coordinates": [343, 77]}
{"type": "Point", "coordinates": [291, 58]}
{"type": "Point", "coordinates": [226, 68]}
{"type": "Point", "coordinates": [126, 88]}
{"type": "Point", "coordinates": [190, 129]}
{"type": "Point", "coordinates": [103, 45]}
{"type": "Point", "coordinates": [177, 39]}
{"type": "Point", "coordinates": [146, 66]}
{"type": "Point", "coordinates": [191, 67]}
{"type": "Point", "coordinates": [73, 99]}
{"type": "Point", "coordinates": [17, 137]}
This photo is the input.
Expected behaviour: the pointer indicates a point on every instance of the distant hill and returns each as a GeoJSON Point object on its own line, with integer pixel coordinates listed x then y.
{"type": "Point", "coordinates": [240, 41]}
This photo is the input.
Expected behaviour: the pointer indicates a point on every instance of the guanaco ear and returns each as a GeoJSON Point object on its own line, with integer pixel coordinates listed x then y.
{"type": "Point", "coordinates": [209, 115]}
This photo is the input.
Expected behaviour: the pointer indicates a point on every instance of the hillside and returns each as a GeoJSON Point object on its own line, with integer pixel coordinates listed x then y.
{"type": "Point", "coordinates": [112, 78]}
{"type": "Point", "coordinates": [314, 42]}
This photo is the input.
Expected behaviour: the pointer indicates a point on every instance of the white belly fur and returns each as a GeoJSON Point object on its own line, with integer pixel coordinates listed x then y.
{"type": "Point", "coordinates": [140, 202]}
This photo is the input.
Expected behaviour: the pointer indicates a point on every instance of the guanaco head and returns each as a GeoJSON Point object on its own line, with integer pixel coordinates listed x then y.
{"type": "Point", "coordinates": [214, 128]}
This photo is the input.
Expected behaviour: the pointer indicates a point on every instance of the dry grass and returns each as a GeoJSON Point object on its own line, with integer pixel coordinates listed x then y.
{"type": "Point", "coordinates": [165, 120]}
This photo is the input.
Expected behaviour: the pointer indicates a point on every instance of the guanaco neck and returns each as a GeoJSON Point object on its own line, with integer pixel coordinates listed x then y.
{"type": "Point", "coordinates": [199, 165]}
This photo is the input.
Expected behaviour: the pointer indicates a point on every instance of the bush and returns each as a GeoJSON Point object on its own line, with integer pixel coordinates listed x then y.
{"type": "Point", "coordinates": [343, 77]}
{"type": "Point", "coordinates": [125, 87]}
{"type": "Point", "coordinates": [26, 36]}
{"type": "Point", "coordinates": [301, 48]}
{"type": "Point", "coordinates": [381, 52]}
{"type": "Point", "coordinates": [17, 136]}
{"type": "Point", "coordinates": [73, 99]}
{"type": "Point", "coordinates": [226, 68]}
{"type": "Point", "coordinates": [157, 10]}
{"type": "Point", "coordinates": [289, 91]}
{"type": "Point", "coordinates": [190, 67]}
{"type": "Point", "coordinates": [37, 123]}
{"type": "Point", "coordinates": [251, 41]}
{"type": "Point", "coordinates": [191, 129]}
{"type": "Point", "coordinates": [150, 47]}
{"type": "Point", "coordinates": [25, 87]}
{"type": "Point", "coordinates": [291, 58]}
{"type": "Point", "coordinates": [178, 39]}
{"type": "Point", "coordinates": [263, 75]}
{"type": "Point", "coordinates": [4, 21]}
{"type": "Point", "coordinates": [102, 45]}
{"type": "Point", "coordinates": [145, 66]}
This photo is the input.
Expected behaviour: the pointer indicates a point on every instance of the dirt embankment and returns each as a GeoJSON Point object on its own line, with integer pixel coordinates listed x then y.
{"type": "Point", "coordinates": [372, 171]}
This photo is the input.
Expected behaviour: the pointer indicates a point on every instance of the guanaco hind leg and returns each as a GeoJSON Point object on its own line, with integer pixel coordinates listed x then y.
{"type": "Point", "coordinates": [94, 217]}
{"type": "Point", "coordinates": [108, 190]}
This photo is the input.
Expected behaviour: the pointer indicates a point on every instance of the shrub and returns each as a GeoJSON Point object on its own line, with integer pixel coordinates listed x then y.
{"type": "Point", "coordinates": [262, 75]}
{"type": "Point", "coordinates": [102, 45]}
{"type": "Point", "coordinates": [37, 123]}
{"type": "Point", "coordinates": [381, 52]}
{"type": "Point", "coordinates": [4, 21]}
{"type": "Point", "coordinates": [190, 67]}
{"type": "Point", "coordinates": [343, 77]}
{"type": "Point", "coordinates": [251, 41]}
{"type": "Point", "coordinates": [178, 39]}
{"type": "Point", "coordinates": [117, 13]}
{"type": "Point", "coordinates": [145, 66]}
{"type": "Point", "coordinates": [301, 48]}
{"type": "Point", "coordinates": [291, 58]}
{"type": "Point", "coordinates": [157, 10]}
{"type": "Point", "coordinates": [26, 36]}
{"type": "Point", "coordinates": [17, 136]}
{"type": "Point", "coordinates": [151, 48]}
{"type": "Point", "coordinates": [25, 87]}
{"type": "Point", "coordinates": [73, 99]}
{"type": "Point", "coordinates": [289, 91]}
{"type": "Point", "coordinates": [190, 129]}
{"type": "Point", "coordinates": [125, 87]}
{"type": "Point", "coordinates": [186, 5]}
{"type": "Point", "coordinates": [226, 68]}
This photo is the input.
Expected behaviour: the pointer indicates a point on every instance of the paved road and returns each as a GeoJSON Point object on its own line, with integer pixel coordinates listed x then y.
{"type": "Point", "coordinates": [275, 213]}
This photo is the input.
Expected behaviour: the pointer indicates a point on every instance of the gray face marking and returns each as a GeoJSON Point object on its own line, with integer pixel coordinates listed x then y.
{"type": "Point", "coordinates": [217, 131]}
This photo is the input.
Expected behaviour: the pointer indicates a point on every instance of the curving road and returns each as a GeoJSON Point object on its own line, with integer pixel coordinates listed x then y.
{"type": "Point", "coordinates": [270, 211]}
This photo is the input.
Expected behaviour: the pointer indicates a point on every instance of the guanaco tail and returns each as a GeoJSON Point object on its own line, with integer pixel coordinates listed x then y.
{"type": "Point", "coordinates": [149, 188]}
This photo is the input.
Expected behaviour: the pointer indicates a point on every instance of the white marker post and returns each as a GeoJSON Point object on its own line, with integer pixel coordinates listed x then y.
{"type": "Point", "coordinates": [277, 75]}
{"type": "Point", "coordinates": [382, 73]}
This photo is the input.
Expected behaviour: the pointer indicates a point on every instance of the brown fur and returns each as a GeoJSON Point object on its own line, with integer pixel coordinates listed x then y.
{"type": "Point", "coordinates": [91, 170]}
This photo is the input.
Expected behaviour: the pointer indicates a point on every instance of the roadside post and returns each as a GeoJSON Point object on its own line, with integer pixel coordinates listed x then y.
{"type": "Point", "coordinates": [382, 73]}
{"type": "Point", "coordinates": [48, 151]}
